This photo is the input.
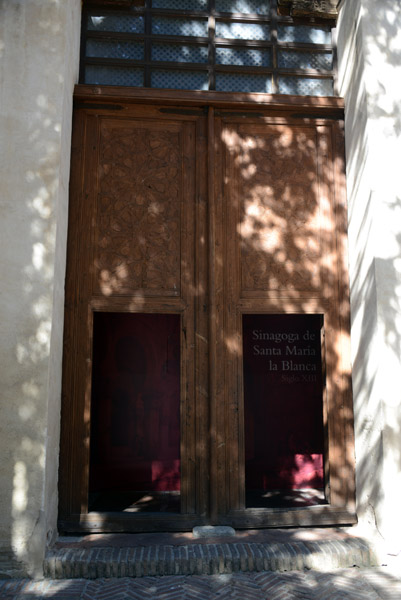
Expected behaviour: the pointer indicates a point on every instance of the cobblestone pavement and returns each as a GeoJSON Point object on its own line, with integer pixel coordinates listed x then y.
{"type": "Point", "coordinates": [344, 584]}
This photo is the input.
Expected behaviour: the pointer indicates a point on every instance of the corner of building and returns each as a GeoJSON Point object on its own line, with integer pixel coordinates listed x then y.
{"type": "Point", "coordinates": [369, 53]}
{"type": "Point", "coordinates": [39, 51]}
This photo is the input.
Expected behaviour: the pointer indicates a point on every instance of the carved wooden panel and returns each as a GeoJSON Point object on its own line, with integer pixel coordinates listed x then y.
{"type": "Point", "coordinates": [138, 219]}
{"type": "Point", "coordinates": [326, 9]}
{"type": "Point", "coordinates": [279, 200]}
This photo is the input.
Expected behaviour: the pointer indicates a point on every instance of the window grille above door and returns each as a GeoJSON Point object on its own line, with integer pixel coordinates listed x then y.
{"type": "Point", "coordinates": [222, 45]}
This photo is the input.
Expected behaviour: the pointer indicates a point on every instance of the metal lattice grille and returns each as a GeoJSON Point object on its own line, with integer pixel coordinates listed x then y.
{"type": "Point", "coordinates": [96, 74]}
{"type": "Point", "coordinates": [223, 45]}
{"type": "Point", "coordinates": [290, 59]}
{"type": "Point", "coordinates": [243, 6]}
{"type": "Point", "coordinates": [305, 34]}
{"type": "Point", "coordinates": [124, 50]}
{"type": "Point", "coordinates": [305, 86]}
{"type": "Point", "coordinates": [181, 4]}
{"type": "Point", "coordinates": [234, 30]}
{"type": "Point", "coordinates": [179, 80]}
{"type": "Point", "coordinates": [244, 56]}
{"type": "Point", "coordinates": [178, 53]}
{"type": "Point", "coordinates": [101, 21]}
{"type": "Point", "coordinates": [179, 27]}
{"type": "Point", "coordinates": [239, 82]}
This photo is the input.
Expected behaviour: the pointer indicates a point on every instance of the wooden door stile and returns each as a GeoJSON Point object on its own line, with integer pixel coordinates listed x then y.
{"type": "Point", "coordinates": [70, 413]}
{"type": "Point", "coordinates": [188, 295]}
{"type": "Point", "coordinates": [213, 319]}
{"type": "Point", "coordinates": [232, 317]}
{"type": "Point", "coordinates": [202, 341]}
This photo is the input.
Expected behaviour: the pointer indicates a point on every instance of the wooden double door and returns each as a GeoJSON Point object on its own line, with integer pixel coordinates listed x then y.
{"type": "Point", "coordinates": [206, 364]}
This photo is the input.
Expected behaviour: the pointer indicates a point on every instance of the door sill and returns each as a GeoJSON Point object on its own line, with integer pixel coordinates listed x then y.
{"type": "Point", "coordinates": [307, 516]}
{"type": "Point", "coordinates": [123, 522]}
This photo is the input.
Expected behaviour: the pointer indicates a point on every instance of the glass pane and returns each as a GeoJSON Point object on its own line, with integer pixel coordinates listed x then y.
{"type": "Point", "coordinates": [283, 404]}
{"type": "Point", "coordinates": [181, 4]}
{"type": "Point", "coordinates": [135, 413]}
{"type": "Point", "coordinates": [187, 27]}
{"type": "Point", "coordinates": [113, 76]}
{"type": "Point", "coordinates": [180, 80]}
{"type": "Point", "coordinates": [304, 34]}
{"type": "Point", "coordinates": [243, 56]}
{"type": "Point", "coordinates": [288, 59]}
{"type": "Point", "coordinates": [178, 53]}
{"type": "Point", "coordinates": [259, 7]}
{"type": "Point", "coordinates": [115, 49]}
{"type": "Point", "coordinates": [236, 82]}
{"type": "Point", "coordinates": [242, 31]}
{"type": "Point", "coordinates": [124, 23]}
{"type": "Point", "coordinates": [303, 86]}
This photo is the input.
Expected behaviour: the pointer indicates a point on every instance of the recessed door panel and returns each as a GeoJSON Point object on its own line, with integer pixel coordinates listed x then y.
{"type": "Point", "coordinates": [280, 207]}
{"type": "Point", "coordinates": [139, 207]}
{"type": "Point", "coordinates": [283, 409]}
{"type": "Point", "coordinates": [135, 413]}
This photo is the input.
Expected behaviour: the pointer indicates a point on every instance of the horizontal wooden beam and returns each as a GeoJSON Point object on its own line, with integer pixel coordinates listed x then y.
{"type": "Point", "coordinates": [113, 94]}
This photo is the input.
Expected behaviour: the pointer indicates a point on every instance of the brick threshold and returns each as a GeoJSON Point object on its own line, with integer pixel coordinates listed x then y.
{"type": "Point", "coordinates": [141, 555]}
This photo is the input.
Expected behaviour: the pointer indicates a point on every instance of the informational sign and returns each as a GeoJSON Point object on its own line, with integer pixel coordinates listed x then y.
{"type": "Point", "coordinates": [283, 401]}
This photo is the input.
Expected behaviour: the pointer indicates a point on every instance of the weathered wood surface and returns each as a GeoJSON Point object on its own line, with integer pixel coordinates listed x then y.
{"type": "Point", "coordinates": [325, 9]}
{"type": "Point", "coordinates": [209, 217]}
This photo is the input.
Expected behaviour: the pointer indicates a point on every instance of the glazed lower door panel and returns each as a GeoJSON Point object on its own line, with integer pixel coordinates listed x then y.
{"type": "Point", "coordinates": [283, 410]}
{"type": "Point", "coordinates": [135, 413]}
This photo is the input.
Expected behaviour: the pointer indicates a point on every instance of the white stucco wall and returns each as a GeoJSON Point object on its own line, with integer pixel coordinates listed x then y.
{"type": "Point", "coordinates": [39, 56]}
{"type": "Point", "coordinates": [369, 51]}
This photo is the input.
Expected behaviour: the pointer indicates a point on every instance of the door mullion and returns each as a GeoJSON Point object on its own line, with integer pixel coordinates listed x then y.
{"type": "Point", "coordinates": [219, 487]}
{"type": "Point", "coordinates": [212, 316]}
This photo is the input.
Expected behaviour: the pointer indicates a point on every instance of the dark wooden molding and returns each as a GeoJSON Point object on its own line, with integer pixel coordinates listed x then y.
{"type": "Point", "coordinates": [326, 9]}
{"type": "Point", "coordinates": [115, 3]}
{"type": "Point", "coordinates": [131, 95]}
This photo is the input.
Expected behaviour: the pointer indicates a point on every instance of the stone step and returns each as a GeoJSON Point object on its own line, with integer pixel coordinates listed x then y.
{"type": "Point", "coordinates": [140, 555]}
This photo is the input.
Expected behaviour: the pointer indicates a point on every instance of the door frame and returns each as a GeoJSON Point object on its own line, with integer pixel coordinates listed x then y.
{"type": "Point", "coordinates": [211, 417]}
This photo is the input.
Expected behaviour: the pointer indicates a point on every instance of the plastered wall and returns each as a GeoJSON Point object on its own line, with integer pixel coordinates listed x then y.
{"type": "Point", "coordinates": [369, 52]}
{"type": "Point", "coordinates": [39, 56]}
